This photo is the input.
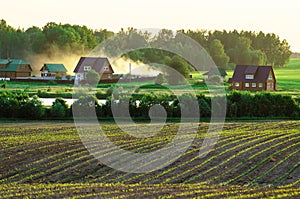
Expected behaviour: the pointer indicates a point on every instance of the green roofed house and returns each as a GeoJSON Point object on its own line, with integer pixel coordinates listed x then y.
{"type": "Point", "coordinates": [13, 68]}
{"type": "Point", "coordinates": [52, 70]}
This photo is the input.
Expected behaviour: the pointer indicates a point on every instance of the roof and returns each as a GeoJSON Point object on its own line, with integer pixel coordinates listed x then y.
{"type": "Point", "coordinates": [12, 64]}
{"type": "Point", "coordinates": [251, 70]}
{"type": "Point", "coordinates": [95, 62]}
{"type": "Point", "coordinates": [216, 71]}
{"type": "Point", "coordinates": [55, 67]}
{"type": "Point", "coordinates": [261, 73]}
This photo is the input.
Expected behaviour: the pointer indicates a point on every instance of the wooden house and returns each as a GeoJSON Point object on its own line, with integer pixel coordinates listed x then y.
{"type": "Point", "coordinates": [253, 78]}
{"type": "Point", "coordinates": [13, 68]}
{"type": "Point", "coordinates": [52, 70]}
{"type": "Point", "coordinates": [100, 64]}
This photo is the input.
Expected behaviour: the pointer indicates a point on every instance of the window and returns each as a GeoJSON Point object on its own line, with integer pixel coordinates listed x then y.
{"type": "Point", "coordinates": [270, 77]}
{"type": "Point", "coordinates": [106, 68]}
{"type": "Point", "coordinates": [253, 85]}
{"type": "Point", "coordinates": [247, 85]}
{"type": "Point", "coordinates": [260, 85]}
{"type": "Point", "coordinates": [109, 76]}
{"type": "Point", "coordinates": [249, 76]}
{"type": "Point", "coordinates": [87, 68]}
{"type": "Point", "coordinates": [237, 84]}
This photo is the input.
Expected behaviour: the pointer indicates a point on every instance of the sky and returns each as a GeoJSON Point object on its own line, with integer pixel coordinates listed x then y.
{"type": "Point", "coordinates": [269, 16]}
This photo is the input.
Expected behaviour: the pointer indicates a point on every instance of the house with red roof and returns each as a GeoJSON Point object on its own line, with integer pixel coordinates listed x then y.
{"type": "Point", "coordinates": [246, 77]}
{"type": "Point", "coordinates": [100, 64]}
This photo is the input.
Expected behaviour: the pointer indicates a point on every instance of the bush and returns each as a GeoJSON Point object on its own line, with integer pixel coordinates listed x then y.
{"type": "Point", "coordinates": [85, 106]}
{"type": "Point", "coordinates": [92, 77]}
{"type": "Point", "coordinates": [215, 79]}
{"type": "Point", "coordinates": [3, 85]}
{"type": "Point", "coordinates": [159, 79]}
{"type": "Point", "coordinates": [101, 95]}
{"type": "Point", "coordinates": [59, 108]}
{"type": "Point", "coordinates": [52, 82]}
{"type": "Point", "coordinates": [58, 77]}
{"type": "Point", "coordinates": [33, 109]}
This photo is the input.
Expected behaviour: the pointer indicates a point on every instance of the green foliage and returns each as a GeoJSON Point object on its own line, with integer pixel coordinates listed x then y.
{"type": "Point", "coordinates": [159, 79]}
{"type": "Point", "coordinates": [68, 77]}
{"type": "Point", "coordinates": [243, 47]}
{"type": "Point", "coordinates": [181, 66]}
{"type": "Point", "coordinates": [57, 110]}
{"type": "Point", "coordinates": [92, 77]}
{"type": "Point", "coordinates": [215, 79]}
{"type": "Point", "coordinates": [247, 47]}
{"type": "Point", "coordinates": [52, 82]}
{"type": "Point", "coordinates": [3, 85]}
{"type": "Point", "coordinates": [216, 50]}
{"type": "Point", "coordinates": [58, 77]}
{"type": "Point", "coordinates": [101, 95]}
{"type": "Point", "coordinates": [33, 109]}
{"type": "Point", "coordinates": [243, 104]}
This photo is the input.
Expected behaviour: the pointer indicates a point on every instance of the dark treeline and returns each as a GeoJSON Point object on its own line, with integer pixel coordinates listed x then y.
{"type": "Point", "coordinates": [239, 104]}
{"type": "Point", "coordinates": [20, 43]}
{"type": "Point", "coordinates": [227, 48]}
{"type": "Point", "coordinates": [245, 47]}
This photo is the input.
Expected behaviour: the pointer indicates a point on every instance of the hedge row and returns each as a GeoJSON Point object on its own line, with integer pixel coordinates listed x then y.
{"type": "Point", "coordinates": [238, 104]}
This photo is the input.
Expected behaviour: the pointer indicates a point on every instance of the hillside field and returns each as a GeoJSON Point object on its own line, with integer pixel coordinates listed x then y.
{"type": "Point", "coordinates": [250, 160]}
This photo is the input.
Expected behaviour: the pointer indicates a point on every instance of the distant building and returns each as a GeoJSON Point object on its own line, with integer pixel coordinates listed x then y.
{"type": "Point", "coordinates": [13, 68]}
{"type": "Point", "coordinates": [216, 71]}
{"type": "Point", "coordinates": [100, 64]}
{"type": "Point", "coordinates": [253, 78]}
{"type": "Point", "coordinates": [52, 70]}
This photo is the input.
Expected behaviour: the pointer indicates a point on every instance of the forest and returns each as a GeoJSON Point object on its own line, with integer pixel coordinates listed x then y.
{"type": "Point", "coordinates": [226, 48]}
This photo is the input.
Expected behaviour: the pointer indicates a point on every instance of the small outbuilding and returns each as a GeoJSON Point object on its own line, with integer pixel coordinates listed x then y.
{"type": "Point", "coordinates": [52, 70]}
{"type": "Point", "coordinates": [247, 77]}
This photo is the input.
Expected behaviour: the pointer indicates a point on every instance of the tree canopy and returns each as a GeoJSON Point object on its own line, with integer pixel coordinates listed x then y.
{"type": "Point", "coordinates": [244, 47]}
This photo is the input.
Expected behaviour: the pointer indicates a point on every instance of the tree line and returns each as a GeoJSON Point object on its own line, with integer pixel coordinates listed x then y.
{"type": "Point", "coordinates": [226, 48]}
{"type": "Point", "coordinates": [239, 104]}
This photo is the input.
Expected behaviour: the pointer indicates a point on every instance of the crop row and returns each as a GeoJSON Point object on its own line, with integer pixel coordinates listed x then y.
{"type": "Point", "coordinates": [260, 153]}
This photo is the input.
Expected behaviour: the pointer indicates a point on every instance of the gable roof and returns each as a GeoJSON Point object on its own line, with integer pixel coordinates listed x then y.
{"type": "Point", "coordinates": [12, 64]}
{"type": "Point", "coordinates": [96, 63]}
{"type": "Point", "coordinates": [55, 67]}
{"type": "Point", "coordinates": [216, 71]}
{"type": "Point", "coordinates": [261, 73]}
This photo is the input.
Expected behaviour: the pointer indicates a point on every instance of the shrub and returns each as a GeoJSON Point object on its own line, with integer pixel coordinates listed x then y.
{"type": "Point", "coordinates": [33, 109]}
{"type": "Point", "coordinates": [101, 95]}
{"type": "Point", "coordinates": [159, 79]}
{"type": "Point", "coordinates": [215, 79]}
{"type": "Point", "coordinates": [92, 77]}
{"type": "Point", "coordinates": [52, 82]}
{"type": "Point", "coordinates": [58, 77]}
{"type": "Point", "coordinates": [3, 85]}
{"type": "Point", "coordinates": [59, 108]}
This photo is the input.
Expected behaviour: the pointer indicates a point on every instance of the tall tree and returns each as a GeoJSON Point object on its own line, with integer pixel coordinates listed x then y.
{"type": "Point", "coordinates": [216, 50]}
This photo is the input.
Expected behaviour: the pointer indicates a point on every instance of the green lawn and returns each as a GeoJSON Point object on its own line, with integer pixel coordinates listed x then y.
{"type": "Point", "coordinates": [288, 78]}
